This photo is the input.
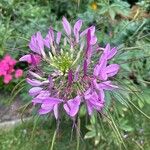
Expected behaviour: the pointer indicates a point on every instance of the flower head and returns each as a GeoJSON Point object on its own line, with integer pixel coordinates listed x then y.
{"type": "Point", "coordinates": [68, 75]}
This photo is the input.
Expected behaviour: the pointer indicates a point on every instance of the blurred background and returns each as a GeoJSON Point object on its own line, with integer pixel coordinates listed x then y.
{"type": "Point", "coordinates": [122, 23]}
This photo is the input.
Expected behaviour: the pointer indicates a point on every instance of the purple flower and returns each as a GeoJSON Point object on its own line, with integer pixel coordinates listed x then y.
{"type": "Point", "coordinates": [101, 70]}
{"type": "Point", "coordinates": [67, 26]}
{"type": "Point", "coordinates": [35, 91]}
{"type": "Point", "coordinates": [34, 82]}
{"type": "Point", "coordinates": [89, 47]}
{"type": "Point", "coordinates": [76, 29]}
{"type": "Point", "coordinates": [107, 85]}
{"type": "Point", "coordinates": [72, 106]}
{"type": "Point", "coordinates": [88, 52]}
{"type": "Point", "coordinates": [93, 37]}
{"type": "Point", "coordinates": [93, 101]}
{"type": "Point", "coordinates": [35, 75]}
{"type": "Point", "coordinates": [50, 104]}
{"type": "Point", "coordinates": [48, 41]}
{"type": "Point", "coordinates": [58, 38]}
{"type": "Point", "coordinates": [65, 76]}
{"type": "Point", "coordinates": [33, 59]}
{"type": "Point", "coordinates": [37, 44]}
{"type": "Point", "coordinates": [42, 95]}
{"type": "Point", "coordinates": [108, 52]}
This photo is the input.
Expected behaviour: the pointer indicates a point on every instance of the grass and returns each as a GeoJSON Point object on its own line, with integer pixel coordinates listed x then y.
{"type": "Point", "coordinates": [38, 134]}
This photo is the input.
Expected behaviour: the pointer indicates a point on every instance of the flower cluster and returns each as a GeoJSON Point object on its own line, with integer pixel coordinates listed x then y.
{"type": "Point", "coordinates": [73, 70]}
{"type": "Point", "coordinates": [7, 69]}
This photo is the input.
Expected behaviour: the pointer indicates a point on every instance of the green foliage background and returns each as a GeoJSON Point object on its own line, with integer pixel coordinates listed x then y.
{"type": "Point", "coordinates": [125, 123]}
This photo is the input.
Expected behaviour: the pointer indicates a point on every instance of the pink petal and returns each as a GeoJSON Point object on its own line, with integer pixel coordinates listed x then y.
{"type": "Point", "coordinates": [107, 85]}
{"type": "Point", "coordinates": [93, 40]}
{"type": "Point", "coordinates": [36, 43]}
{"type": "Point", "coordinates": [93, 101]}
{"type": "Point", "coordinates": [44, 111]}
{"type": "Point", "coordinates": [89, 49]}
{"type": "Point", "coordinates": [103, 75]}
{"type": "Point", "coordinates": [39, 41]}
{"type": "Point", "coordinates": [26, 58]}
{"type": "Point", "coordinates": [76, 29]}
{"type": "Point", "coordinates": [112, 70]}
{"type": "Point", "coordinates": [34, 82]}
{"type": "Point", "coordinates": [89, 108]}
{"type": "Point", "coordinates": [43, 94]}
{"type": "Point", "coordinates": [107, 49]}
{"type": "Point", "coordinates": [108, 52]}
{"type": "Point", "coordinates": [50, 102]}
{"type": "Point", "coordinates": [99, 71]}
{"type": "Point", "coordinates": [86, 30]}
{"type": "Point", "coordinates": [112, 53]}
{"type": "Point", "coordinates": [96, 70]}
{"type": "Point", "coordinates": [35, 90]}
{"type": "Point", "coordinates": [101, 95]}
{"type": "Point", "coordinates": [41, 97]}
{"type": "Point", "coordinates": [35, 75]}
{"type": "Point", "coordinates": [72, 106]}
{"type": "Point", "coordinates": [56, 111]}
{"type": "Point", "coordinates": [58, 38]}
{"type": "Point", "coordinates": [49, 38]}
{"type": "Point", "coordinates": [37, 101]}
{"type": "Point", "coordinates": [31, 59]}
{"type": "Point", "coordinates": [66, 26]}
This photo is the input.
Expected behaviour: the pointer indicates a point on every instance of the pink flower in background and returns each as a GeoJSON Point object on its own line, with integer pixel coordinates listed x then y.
{"type": "Point", "coordinates": [18, 73]}
{"type": "Point", "coordinates": [7, 69]}
{"type": "Point", "coordinates": [10, 60]}
{"type": "Point", "coordinates": [7, 78]}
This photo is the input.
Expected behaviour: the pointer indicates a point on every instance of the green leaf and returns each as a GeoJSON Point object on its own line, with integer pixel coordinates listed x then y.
{"type": "Point", "coordinates": [127, 128]}
{"type": "Point", "coordinates": [140, 103]}
{"type": "Point", "coordinates": [89, 135]}
{"type": "Point", "coordinates": [97, 140]}
{"type": "Point", "coordinates": [112, 13]}
{"type": "Point", "coordinates": [82, 111]}
{"type": "Point", "coordinates": [147, 98]}
{"type": "Point", "coordinates": [93, 120]}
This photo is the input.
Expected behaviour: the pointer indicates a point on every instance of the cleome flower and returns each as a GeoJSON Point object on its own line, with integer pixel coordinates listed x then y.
{"type": "Point", "coordinates": [68, 71]}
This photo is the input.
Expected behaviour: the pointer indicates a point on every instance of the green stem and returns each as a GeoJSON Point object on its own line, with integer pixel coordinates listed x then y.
{"type": "Point", "coordinates": [34, 126]}
{"type": "Point", "coordinates": [119, 134]}
{"type": "Point", "coordinates": [53, 140]}
{"type": "Point", "coordinates": [130, 48]}
{"type": "Point", "coordinates": [78, 134]}
{"type": "Point", "coordinates": [15, 94]}
{"type": "Point", "coordinates": [17, 85]}
{"type": "Point", "coordinates": [148, 117]}
{"type": "Point", "coordinates": [24, 108]}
